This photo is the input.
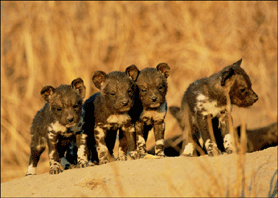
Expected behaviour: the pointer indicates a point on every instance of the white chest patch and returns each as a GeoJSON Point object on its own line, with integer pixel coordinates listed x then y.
{"type": "Point", "coordinates": [57, 127]}
{"type": "Point", "coordinates": [155, 114]}
{"type": "Point", "coordinates": [208, 107]}
{"type": "Point", "coordinates": [119, 119]}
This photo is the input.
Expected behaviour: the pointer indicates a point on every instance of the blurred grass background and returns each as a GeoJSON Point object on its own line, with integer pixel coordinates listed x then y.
{"type": "Point", "coordinates": [51, 43]}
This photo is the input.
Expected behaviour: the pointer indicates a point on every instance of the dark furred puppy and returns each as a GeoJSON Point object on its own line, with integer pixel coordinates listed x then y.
{"type": "Point", "coordinates": [57, 124]}
{"type": "Point", "coordinates": [107, 111]}
{"type": "Point", "coordinates": [257, 139]}
{"type": "Point", "coordinates": [261, 138]}
{"type": "Point", "coordinates": [207, 97]}
{"type": "Point", "coordinates": [152, 106]}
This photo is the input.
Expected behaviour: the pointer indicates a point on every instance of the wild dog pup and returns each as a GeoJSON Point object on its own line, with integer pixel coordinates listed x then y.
{"type": "Point", "coordinates": [207, 97]}
{"type": "Point", "coordinates": [152, 107]}
{"type": "Point", "coordinates": [107, 111]}
{"type": "Point", "coordinates": [57, 124]}
{"type": "Point", "coordinates": [257, 139]}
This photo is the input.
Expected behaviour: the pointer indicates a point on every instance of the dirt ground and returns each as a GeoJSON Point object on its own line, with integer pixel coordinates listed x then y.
{"type": "Point", "coordinates": [167, 177]}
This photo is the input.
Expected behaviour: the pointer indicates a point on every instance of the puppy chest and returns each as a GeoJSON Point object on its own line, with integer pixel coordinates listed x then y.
{"type": "Point", "coordinates": [59, 129]}
{"type": "Point", "coordinates": [117, 121]}
{"type": "Point", "coordinates": [149, 116]}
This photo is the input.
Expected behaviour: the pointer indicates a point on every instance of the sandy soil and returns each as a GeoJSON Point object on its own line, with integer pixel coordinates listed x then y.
{"type": "Point", "coordinates": [171, 176]}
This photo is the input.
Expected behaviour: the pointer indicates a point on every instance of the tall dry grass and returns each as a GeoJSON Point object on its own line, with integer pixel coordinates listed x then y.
{"type": "Point", "coordinates": [50, 43]}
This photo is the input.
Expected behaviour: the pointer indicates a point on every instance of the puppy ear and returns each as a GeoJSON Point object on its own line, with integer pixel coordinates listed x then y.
{"type": "Point", "coordinates": [98, 78]}
{"type": "Point", "coordinates": [132, 71]}
{"type": "Point", "coordinates": [46, 92]}
{"type": "Point", "coordinates": [238, 63]}
{"type": "Point", "coordinates": [164, 69]}
{"type": "Point", "coordinates": [79, 86]}
{"type": "Point", "coordinates": [226, 75]}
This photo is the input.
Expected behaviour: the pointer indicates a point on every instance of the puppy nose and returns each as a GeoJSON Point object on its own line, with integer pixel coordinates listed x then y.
{"type": "Point", "coordinates": [125, 102]}
{"type": "Point", "coordinates": [154, 98]}
{"type": "Point", "coordinates": [256, 98]}
{"type": "Point", "coordinates": [70, 119]}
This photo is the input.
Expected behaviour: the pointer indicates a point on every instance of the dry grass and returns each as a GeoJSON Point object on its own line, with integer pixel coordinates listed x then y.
{"type": "Point", "coordinates": [50, 43]}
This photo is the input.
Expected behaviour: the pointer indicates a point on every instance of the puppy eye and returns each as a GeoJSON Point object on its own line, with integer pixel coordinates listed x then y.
{"type": "Point", "coordinates": [58, 109]}
{"type": "Point", "coordinates": [160, 87]}
{"type": "Point", "coordinates": [242, 90]}
{"type": "Point", "coordinates": [143, 90]}
{"type": "Point", "coordinates": [112, 93]}
{"type": "Point", "coordinates": [77, 105]}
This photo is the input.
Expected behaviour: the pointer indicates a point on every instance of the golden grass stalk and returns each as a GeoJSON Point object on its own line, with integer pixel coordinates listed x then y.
{"type": "Point", "coordinates": [51, 43]}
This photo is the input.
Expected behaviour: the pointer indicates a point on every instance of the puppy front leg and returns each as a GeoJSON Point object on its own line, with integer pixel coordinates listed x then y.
{"type": "Point", "coordinates": [159, 129]}
{"type": "Point", "coordinates": [210, 145]}
{"type": "Point", "coordinates": [227, 137]}
{"type": "Point", "coordinates": [130, 137]}
{"type": "Point", "coordinates": [102, 150]}
{"type": "Point", "coordinates": [82, 150]}
{"type": "Point", "coordinates": [54, 159]}
{"type": "Point", "coordinates": [38, 145]}
{"type": "Point", "coordinates": [140, 140]}
{"type": "Point", "coordinates": [188, 145]}
{"type": "Point", "coordinates": [122, 145]}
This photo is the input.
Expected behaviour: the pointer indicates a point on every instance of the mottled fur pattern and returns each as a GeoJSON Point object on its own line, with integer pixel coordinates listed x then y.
{"type": "Point", "coordinates": [151, 107]}
{"type": "Point", "coordinates": [257, 139]}
{"type": "Point", "coordinates": [107, 111]}
{"type": "Point", "coordinates": [57, 125]}
{"type": "Point", "coordinates": [208, 97]}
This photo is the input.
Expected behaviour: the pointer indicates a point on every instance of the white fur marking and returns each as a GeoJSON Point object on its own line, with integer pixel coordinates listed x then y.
{"type": "Point", "coordinates": [208, 107]}
{"type": "Point", "coordinates": [31, 170]}
{"type": "Point", "coordinates": [159, 142]}
{"type": "Point", "coordinates": [56, 127]}
{"type": "Point", "coordinates": [228, 141]}
{"type": "Point", "coordinates": [156, 114]}
{"type": "Point", "coordinates": [188, 150]}
{"type": "Point", "coordinates": [141, 140]}
{"type": "Point", "coordinates": [81, 153]}
{"type": "Point", "coordinates": [119, 119]}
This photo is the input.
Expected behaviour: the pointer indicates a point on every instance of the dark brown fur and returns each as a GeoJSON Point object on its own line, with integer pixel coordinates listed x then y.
{"type": "Point", "coordinates": [151, 107]}
{"type": "Point", "coordinates": [208, 97]}
{"type": "Point", "coordinates": [257, 139]}
{"type": "Point", "coordinates": [107, 111]}
{"type": "Point", "coordinates": [57, 124]}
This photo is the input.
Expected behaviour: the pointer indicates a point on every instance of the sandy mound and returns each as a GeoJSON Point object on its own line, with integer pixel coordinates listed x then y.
{"type": "Point", "coordinates": [171, 176]}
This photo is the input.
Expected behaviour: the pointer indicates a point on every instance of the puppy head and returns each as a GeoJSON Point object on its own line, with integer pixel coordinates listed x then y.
{"type": "Point", "coordinates": [239, 84]}
{"type": "Point", "coordinates": [152, 84]}
{"type": "Point", "coordinates": [117, 88]}
{"type": "Point", "coordinates": [66, 101]}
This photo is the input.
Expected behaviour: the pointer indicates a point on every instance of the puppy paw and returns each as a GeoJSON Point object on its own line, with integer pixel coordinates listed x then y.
{"type": "Point", "coordinates": [187, 155]}
{"type": "Point", "coordinates": [142, 153]}
{"type": "Point", "coordinates": [82, 164]}
{"type": "Point", "coordinates": [28, 174]}
{"type": "Point", "coordinates": [103, 161]}
{"type": "Point", "coordinates": [122, 158]}
{"type": "Point", "coordinates": [160, 154]}
{"type": "Point", "coordinates": [214, 152]}
{"type": "Point", "coordinates": [55, 169]}
{"type": "Point", "coordinates": [134, 155]}
{"type": "Point", "coordinates": [229, 151]}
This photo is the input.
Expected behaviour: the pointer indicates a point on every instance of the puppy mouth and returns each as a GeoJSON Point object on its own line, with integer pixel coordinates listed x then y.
{"type": "Point", "coordinates": [71, 125]}
{"type": "Point", "coordinates": [154, 105]}
{"type": "Point", "coordinates": [124, 109]}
